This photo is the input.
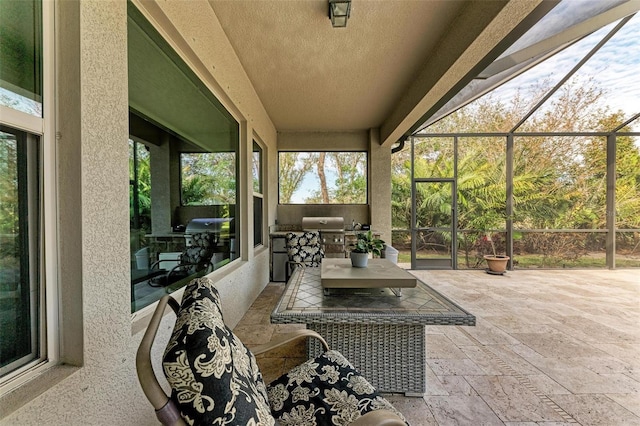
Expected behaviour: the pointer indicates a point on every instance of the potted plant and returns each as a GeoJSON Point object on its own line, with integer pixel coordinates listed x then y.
{"type": "Point", "coordinates": [365, 244]}
{"type": "Point", "coordinates": [486, 223]}
{"type": "Point", "coordinates": [497, 263]}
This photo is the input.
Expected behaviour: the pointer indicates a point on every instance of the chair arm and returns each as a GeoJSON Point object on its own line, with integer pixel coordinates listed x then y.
{"type": "Point", "coordinates": [158, 262]}
{"type": "Point", "coordinates": [175, 269]}
{"type": "Point", "coordinates": [166, 411]}
{"type": "Point", "coordinates": [379, 418]}
{"type": "Point", "coordinates": [286, 338]}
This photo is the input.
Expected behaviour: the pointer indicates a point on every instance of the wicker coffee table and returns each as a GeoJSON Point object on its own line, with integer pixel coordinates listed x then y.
{"type": "Point", "coordinates": [384, 337]}
{"type": "Point", "coordinates": [380, 273]}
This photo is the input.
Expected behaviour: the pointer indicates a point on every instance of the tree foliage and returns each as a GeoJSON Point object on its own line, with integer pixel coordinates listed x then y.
{"type": "Point", "coordinates": [323, 177]}
{"type": "Point", "coordinates": [142, 186]}
{"type": "Point", "coordinates": [208, 178]}
{"type": "Point", "coordinates": [292, 168]}
{"type": "Point", "coordinates": [559, 182]}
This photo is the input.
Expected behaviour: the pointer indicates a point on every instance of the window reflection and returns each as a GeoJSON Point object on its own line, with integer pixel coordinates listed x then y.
{"type": "Point", "coordinates": [184, 170]}
{"type": "Point", "coordinates": [21, 56]}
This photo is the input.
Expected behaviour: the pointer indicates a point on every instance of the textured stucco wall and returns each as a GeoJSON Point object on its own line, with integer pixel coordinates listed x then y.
{"type": "Point", "coordinates": [93, 180]}
{"type": "Point", "coordinates": [313, 141]}
{"type": "Point", "coordinates": [380, 186]}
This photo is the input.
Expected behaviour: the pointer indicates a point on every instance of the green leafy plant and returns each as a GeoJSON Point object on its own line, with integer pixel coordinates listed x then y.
{"type": "Point", "coordinates": [366, 243]}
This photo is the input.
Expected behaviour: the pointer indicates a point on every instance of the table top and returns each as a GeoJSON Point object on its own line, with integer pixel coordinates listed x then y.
{"type": "Point", "coordinates": [303, 302]}
{"type": "Point", "coordinates": [338, 273]}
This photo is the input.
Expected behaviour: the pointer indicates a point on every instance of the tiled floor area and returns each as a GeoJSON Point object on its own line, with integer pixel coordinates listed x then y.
{"type": "Point", "coordinates": [550, 348]}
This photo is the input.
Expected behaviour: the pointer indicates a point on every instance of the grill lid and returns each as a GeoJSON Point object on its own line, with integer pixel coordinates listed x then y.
{"type": "Point", "coordinates": [206, 224]}
{"type": "Point", "coordinates": [334, 223]}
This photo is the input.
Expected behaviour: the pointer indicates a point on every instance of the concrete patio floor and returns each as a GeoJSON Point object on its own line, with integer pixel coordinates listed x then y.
{"type": "Point", "coordinates": [551, 347]}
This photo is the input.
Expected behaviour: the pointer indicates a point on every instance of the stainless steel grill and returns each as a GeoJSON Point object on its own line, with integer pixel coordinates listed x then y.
{"type": "Point", "coordinates": [335, 224]}
{"type": "Point", "coordinates": [331, 233]}
{"type": "Point", "coordinates": [204, 224]}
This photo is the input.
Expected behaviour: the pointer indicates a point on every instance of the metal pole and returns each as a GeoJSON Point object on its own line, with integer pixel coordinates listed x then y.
{"type": "Point", "coordinates": [509, 204]}
{"type": "Point", "coordinates": [413, 207]}
{"type": "Point", "coordinates": [611, 201]}
{"type": "Point", "coordinates": [454, 207]}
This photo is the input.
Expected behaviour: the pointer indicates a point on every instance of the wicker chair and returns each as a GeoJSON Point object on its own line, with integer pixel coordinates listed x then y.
{"type": "Point", "coordinates": [215, 378]}
{"type": "Point", "coordinates": [195, 258]}
{"type": "Point", "coordinates": [304, 249]}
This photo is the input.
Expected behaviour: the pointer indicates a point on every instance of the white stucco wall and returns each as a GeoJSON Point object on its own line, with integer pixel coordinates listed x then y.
{"type": "Point", "coordinates": [380, 185]}
{"type": "Point", "coordinates": [97, 335]}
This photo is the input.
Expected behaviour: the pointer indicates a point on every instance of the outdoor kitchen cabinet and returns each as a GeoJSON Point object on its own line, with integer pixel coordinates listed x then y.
{"type": "Point", "coordinates": [279, 258]}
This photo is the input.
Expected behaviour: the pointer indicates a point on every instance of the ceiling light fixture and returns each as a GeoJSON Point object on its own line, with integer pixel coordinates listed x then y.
{"type": "Point", "coordinates": [339, 11]}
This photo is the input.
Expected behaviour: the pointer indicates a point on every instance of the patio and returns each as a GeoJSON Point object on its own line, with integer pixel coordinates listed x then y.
{"type": "Point", "coordinates": [550, 347]}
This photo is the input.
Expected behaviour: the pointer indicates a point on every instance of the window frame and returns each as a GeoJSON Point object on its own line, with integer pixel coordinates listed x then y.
{"type": "Point", "coordinates": [42, 128]}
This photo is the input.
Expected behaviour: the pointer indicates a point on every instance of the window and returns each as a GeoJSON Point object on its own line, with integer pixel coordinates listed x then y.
{"type": "Point", "coordinates": [256, 168]}
{"type": "Point", "coordinates": [322, 177]}
{"type": "Point", "coordinates": [183, 165]}
{"type": "Point", "coordinates": [27, 306]}
{"type": "Point", "coordinates": [19, 249]}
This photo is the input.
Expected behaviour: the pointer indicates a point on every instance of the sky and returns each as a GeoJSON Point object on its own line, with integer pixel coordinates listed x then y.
{"type": "Point", "coordinates": [615, 67]}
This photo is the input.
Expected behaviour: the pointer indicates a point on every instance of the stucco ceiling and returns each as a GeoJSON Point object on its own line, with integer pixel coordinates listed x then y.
{"type": "Point", "coordinates": [311, 76]}
{"type": "Point", "coordinates": [392, 54]}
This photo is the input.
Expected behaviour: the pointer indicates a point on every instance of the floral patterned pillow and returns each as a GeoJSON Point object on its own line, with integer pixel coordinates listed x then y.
{"type": "Point", "coordinates": [198, 256]}
{"type": "Point", "coordinates": [326, 390]}
{"type": "Point", "coordinates": [304, 247]}
{"type": "Point", "coordinates": [213, 376]}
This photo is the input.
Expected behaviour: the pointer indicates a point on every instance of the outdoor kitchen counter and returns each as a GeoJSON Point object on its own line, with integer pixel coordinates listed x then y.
{"type": "Point", "coordinates": [381, 334]}
{"type": "Point", "coordinates": [168, 242]}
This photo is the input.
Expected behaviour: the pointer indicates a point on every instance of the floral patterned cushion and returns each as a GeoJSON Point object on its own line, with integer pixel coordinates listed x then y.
{"type": "Point", "coordinates": [213, 376]}
{"type": "Point", "coordinates": [326, 390]}
{"type": "Point", "coordinates": [198, 256]}
{"type": "Point", "coordinates": [304, 247]}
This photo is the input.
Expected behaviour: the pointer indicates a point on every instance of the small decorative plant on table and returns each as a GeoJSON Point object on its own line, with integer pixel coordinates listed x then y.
{"type": "Point", "coordinates": [365, 243]}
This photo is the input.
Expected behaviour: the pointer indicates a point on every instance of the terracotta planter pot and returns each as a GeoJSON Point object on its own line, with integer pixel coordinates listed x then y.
{"type": "Point", "coordinates": [359, 260]}
{"type": "Point", "coordinates": [496, 263]}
